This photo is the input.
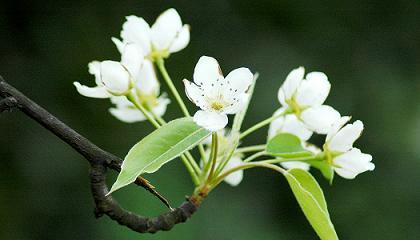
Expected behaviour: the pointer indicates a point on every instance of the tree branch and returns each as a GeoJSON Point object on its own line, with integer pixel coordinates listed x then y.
{"type": "Point", "coordinates": [99, 160]}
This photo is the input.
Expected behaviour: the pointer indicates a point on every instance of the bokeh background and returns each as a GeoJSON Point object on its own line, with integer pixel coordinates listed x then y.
{"type": "Point", "coordinates": [369, 49]}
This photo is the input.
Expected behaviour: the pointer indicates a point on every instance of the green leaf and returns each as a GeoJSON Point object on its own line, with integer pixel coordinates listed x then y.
{"type": "Point", "coordinates": [312, 202]}
{"type": "Point", "coordinates": [286, 145]}
{"type": "Point", "coordinates": [326, 169]}
{"type": "Point", "coordinates": [158, 148]}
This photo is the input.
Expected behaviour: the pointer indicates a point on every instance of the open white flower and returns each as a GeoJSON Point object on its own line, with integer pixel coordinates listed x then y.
{"type": "Point", "coordinates": [167, 35]}
{"type": "Point", "coordinates": [111, 78]}
{"type": "Point", "coordinates": [305, 97]}
{"type": "Point", "coordinates": [346, 160]}
{"type": "Point", "coordinates": [215, 95]}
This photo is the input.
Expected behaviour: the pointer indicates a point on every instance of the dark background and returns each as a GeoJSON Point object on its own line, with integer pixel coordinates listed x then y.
{"type": "Point", "coordinates": [369, 49]}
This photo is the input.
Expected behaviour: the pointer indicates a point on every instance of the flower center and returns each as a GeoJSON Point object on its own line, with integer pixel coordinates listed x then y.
{"type": "Point", "coordinates": [217, 105]}
{"type": "Point", "coordinates": [294, 106]}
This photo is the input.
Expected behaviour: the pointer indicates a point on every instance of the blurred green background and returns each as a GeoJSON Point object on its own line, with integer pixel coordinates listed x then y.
{"type": "Point", "coordinates": [369, 49]}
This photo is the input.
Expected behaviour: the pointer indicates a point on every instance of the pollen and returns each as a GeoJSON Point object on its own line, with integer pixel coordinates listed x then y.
{"type": "Point", "coordinates": [217, 106]}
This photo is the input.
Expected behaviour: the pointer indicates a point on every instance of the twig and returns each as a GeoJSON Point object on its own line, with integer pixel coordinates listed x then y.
{"type": "Point", "coordinates": [99, 160]}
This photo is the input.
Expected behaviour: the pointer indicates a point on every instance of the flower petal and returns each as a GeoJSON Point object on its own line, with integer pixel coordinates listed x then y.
{"type": "Point", "coordinates": [337, 126]}
{"type": "Point", "coordinates": [320, 119]}
{"type": "Point", "coordinates": [238, 81]}
{"type": "Point", "coordinates": [314, 90]}
{"type": "Point", "coordinates": [137, 30]}
{"type": "Point", "coordinates": [132, 58]}
{"type": "Point", "coordinates": [165, 29]}
{"type": "Point", "coordinates": [290, 85]}
{"type": "Point", "coordinates": [93, 92]}
{"type": "Point", "coordinates": [237, 104]}
{"type": "Point", "coordinates": [352, 163]}
{"type": "Point", "coordinates": [181, 40]}
{"type": "Point", "coordinates": [345, 137]}
{"type": "Point", "coordinates": [127, 114]}
{"type": "Point", "coordinates": [118, 43]}
{"type": "Point", "coordinates": [207, 72]}
{"type": "Point", "coordinates": [211, 121]}
{"type": "Point", "coordinates": [195, 94]}
{"type": "Point", "coordinates": [95, 69]}
{"type": "Point", "coordinates": [234, 178]}
{"type": "Point", "coordinates": [289, 124]}
{"type": "Point", "coordinates": [146, 81]}
{"type": "Point", "coordinates": [115, 77]}
{"type": "Point", "coordinates": [295, 164]}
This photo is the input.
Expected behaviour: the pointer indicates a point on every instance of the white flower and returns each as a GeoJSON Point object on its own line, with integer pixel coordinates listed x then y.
{"type": "Point", "coordinates": [215, 95]}
{"type": "Point", "coordinates": [305, 97]}
{"type": "Point", "coordinates": [111, 79]}
{"type": "Point", "coordinates": [346, 160]}
{"type": "Point", "coordinates": [167, 35]}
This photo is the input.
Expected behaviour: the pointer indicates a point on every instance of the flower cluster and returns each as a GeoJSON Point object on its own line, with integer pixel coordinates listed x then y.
{"type": "Point", "coordinates": [303, 113]}
{"type": "Point", "coordinates": [132, 82]}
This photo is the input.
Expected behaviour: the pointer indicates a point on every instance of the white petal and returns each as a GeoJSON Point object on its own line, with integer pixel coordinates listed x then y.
{"type": "Point", "coordinates": [160, 109]}
{"type": "Point", "coordinates": [351, 163]}
{"type": "Point", "coordinates": [312, 148]}
{"type": "Point", "coordinates": [234, 178]}
{"type": "Point", "coordinates": [320, 119]}
{"type": "Point", "coordinates": [146, 81]}
{"type": "Point", "coordinates": [118, 43]}
{"type": "Point", "coordinates": [136, 30]}
{"type": "Point", "coordinates": [93, 92]}
{"type": "Point", "coordinates": [195, 94]}
{"type": "Point", "coordinates": [181, 40]}
{"type": "Point", "coordinates": [210, 120]}
{"type": "Point", "coordinates": [290, 85]}
{"type": "Point", "coordinates": [238, 104]}
{"type": "Point", "coordinates": [207, 72]}
{"type": "Point", "coordinates": [295, 164]}
{"type": "Point", "coordinates": [128, 115]}
{"type": "Point", "coordinates": [345, 137]}
{"type": "Point", "coordinates": [132, 58]}
{"type": "Point", "coordinates": [121, 101]}
{"type": "Point", "coordinates": [115, 77]}
{"type": "Point", "coordinates": [289, 124]}
{"type": "Point", "coordinates": [165, 29]}
{"type": "Point", "coordinates": [238, 81]}
{"type": "Point", "coordinates": [95, 69]}
{"type": "Point", "coordinates": [314, 90]}
{"type": "Point", "coordinates": [337, 126]}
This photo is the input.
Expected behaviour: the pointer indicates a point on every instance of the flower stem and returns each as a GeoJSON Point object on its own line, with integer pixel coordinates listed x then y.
{"type": "Point", "coordinates": [254, 156]}
{"type": "Point", "coordinates": [260, 125]}
{"type": "Point", "coordinates": [254, 148]}
{"type": "Point", "coordinates": [213, 155]}
{"type": "Point", "coordinates": [161, 65]}
{"type": "Point", "coordinates": [146, 113]}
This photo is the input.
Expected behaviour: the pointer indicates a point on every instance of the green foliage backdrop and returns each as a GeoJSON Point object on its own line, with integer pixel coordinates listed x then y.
{"type": "Point", "coordinates": [369, 49]}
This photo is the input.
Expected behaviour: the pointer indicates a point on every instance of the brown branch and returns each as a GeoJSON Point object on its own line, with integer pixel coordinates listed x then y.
{"type": "Point", "coordinates": [99, 160]}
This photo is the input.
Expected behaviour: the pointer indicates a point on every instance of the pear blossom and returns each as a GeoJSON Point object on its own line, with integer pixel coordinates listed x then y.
{"type": "Point", "coordinates": [167, 35]}
{"type": "Point", "coordinates": [346, 160]}
{"type": "Point", "coordinates": [111, 79]}
{"type": "Point", "coordinates": [305, 97]}
{"type": "Point", "coordinates": [215, 95]}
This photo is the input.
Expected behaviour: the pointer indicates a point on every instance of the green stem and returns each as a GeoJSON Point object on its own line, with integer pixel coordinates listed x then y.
{"type": "Point", "coordinates": [318, 157]}
{"type": "Point", "coordinates": [190, 170]}
{"type": "Point", "coordinates": [254, 156]}
{"type": "Point", "coordinates": [260, 125]}
{"type": "Point", "coordinates": [213, 155]}
{"type": "Point", "coordinates": [161, 65]}
{"type": "Point", "coordinates": [254, 148]}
